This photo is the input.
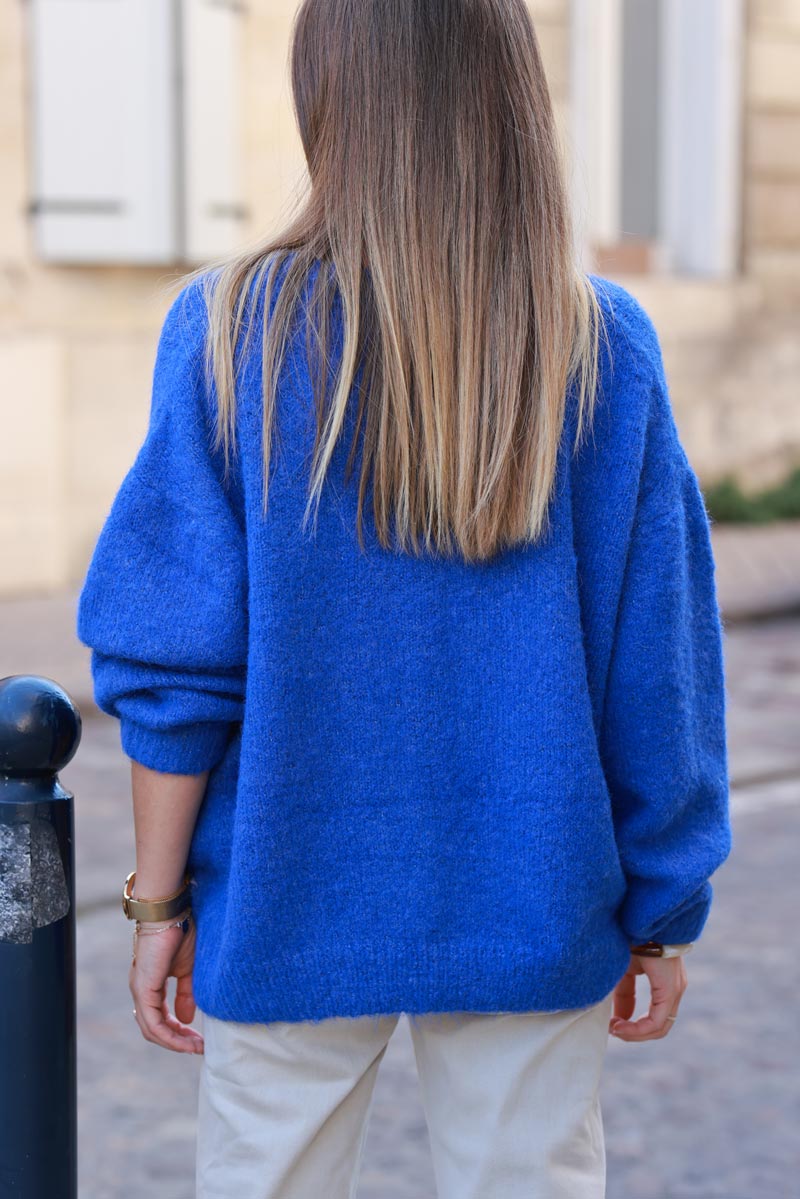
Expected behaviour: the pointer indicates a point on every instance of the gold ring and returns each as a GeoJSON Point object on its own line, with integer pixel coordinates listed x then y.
{"type": "Point", "coordinates": [672, 1017]}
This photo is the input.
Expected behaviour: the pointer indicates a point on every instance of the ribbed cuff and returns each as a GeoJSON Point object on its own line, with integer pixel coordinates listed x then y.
{"type": "Point", "coordinates": [684, 925]}
{"type": "Point", "coordinates": [188, 749]}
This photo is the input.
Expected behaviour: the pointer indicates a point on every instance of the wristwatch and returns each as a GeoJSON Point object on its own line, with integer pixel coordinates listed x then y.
{"type": "Point", "coordinates": [164, 908]}
{"type": "Point", "coordinates": [656, 949]}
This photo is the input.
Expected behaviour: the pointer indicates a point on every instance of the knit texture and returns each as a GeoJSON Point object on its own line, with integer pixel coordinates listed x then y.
{"type": "Point", "coordinates": [433, 786]}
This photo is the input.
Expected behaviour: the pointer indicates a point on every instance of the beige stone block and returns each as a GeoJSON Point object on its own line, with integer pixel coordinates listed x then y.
{"type": "Point", "coordinates": [561, 112]}
{"type": "Point", "coordinates": [91, 300]}
{"type": "Point", "coordinates": [554, 45]}
{"type": "Point", "coordinates": [110, 384]}
{"type": "Point", "coordinates": [274, 162]}
{"type": "Point", "coordinates": [781, 16]}
{"type": "Point", "coordinates": [33, 525]}
{"type": "Point", "coordinates": [772, 213]}
{"type": "Point", "coordinates": [773, 72]}
{"type": "Point", "coordinates": [732, 378]}
{"type": "Point", "coordinates": [778, 274]}
{"type": "Point", "coordinates": [773, 144]}
{"type": "Point", "coordinates": [553, 11]}
{"type": "Point", "coordinates": [686, 309]}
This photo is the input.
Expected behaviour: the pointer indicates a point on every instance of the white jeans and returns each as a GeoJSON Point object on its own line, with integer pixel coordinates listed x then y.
{"type": "Point", "coordinates": [511, 1102]}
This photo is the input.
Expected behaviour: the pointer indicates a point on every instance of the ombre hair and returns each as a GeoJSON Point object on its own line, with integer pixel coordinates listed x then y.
{"type": "Point", "coordinates": [437, 203]}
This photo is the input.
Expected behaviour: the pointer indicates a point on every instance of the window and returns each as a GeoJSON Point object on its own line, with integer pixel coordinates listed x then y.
{"type": "Point", "coordinates": [135, 130]}
{"type": "Point", "coordinates": [656, 116]}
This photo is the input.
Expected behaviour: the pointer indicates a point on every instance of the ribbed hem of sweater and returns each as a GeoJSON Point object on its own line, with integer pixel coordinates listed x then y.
{"type": "Point", "coordinates": [367, 979]}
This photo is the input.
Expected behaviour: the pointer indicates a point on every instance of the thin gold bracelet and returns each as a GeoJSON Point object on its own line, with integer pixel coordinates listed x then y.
{"type": "Point", "coordinates": [185, 919]}
{"type": "Point", "coordinates": [146, 932]}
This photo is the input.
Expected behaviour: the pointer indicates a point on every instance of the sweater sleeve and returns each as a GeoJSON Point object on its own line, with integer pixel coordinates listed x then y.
{"type": "Point", "coordinates": [663, 732]}
{"type": "Point", "coordinates": [164, 603]}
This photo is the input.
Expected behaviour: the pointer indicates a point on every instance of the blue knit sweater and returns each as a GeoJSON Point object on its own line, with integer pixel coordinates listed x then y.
{"type": "Point", "coordinates": [433, 786]}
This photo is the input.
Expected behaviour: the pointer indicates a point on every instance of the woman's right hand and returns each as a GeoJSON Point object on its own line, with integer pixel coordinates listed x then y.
{"type": "Point", "coordinates": [668, 982]}
{"type": "Point", "coordinates": [159, 956]}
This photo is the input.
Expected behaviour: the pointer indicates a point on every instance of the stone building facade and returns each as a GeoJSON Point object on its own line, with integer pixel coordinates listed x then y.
{"type": "Point", "coordinates": [77, 339]}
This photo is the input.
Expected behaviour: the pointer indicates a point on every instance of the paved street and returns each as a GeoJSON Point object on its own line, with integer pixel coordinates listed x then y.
{"type": "Point", "coordinates": [711, 1111]}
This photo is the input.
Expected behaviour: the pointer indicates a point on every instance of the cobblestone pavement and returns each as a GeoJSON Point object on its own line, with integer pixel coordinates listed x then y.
{"type": "Point", "coordinates": [711, 1111]}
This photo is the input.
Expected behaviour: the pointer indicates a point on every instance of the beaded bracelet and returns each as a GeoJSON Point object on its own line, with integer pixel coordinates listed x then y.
{"type": "Point", "coordinates": [146, 932]}
{"type": "Point", "coordinates": [138, 931]}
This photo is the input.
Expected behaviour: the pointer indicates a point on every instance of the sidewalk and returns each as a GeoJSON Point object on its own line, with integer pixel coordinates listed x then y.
{"type": "Point", "coordinates": [757, 570]}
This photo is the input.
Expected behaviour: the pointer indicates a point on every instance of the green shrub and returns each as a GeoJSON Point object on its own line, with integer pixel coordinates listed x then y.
{"type": "Point", "coordinates": [727, 503]}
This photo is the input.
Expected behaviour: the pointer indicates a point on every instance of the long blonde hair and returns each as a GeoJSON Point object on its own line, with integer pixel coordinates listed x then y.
{"type": "Point", "coordinates": [438, 206]}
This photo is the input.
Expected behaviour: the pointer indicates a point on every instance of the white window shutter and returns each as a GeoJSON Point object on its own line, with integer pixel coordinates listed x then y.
{"type": "Point", "coordinates": [702, 113]}
{"type": "Point", "coordinates": [596, 124]}
{"type": "Point", "coordinates": [104, 126]}
{"type": "Point", "coordinates": [212, 48]}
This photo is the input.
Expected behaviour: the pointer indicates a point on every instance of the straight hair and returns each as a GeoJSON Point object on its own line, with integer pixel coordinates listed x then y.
{"type": "Point", "coordinates": [436, 204]}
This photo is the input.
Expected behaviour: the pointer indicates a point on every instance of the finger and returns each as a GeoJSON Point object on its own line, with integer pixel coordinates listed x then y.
{"type": "Point", "coordinates": [654, 1024]}
{"type": "Point", "coordinates": [154, 1026]}
{"type": "Point", "coordinates": [183, 1030]}
{"type": "Point", "coordinates": [185, 1006]}
{"type": "Point", "coordinates": [625, 997]}
{"type": "Point", "coordinates": [191, 1038]}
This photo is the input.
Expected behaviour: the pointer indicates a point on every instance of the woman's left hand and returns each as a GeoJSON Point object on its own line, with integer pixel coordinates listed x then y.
{"type": "Point", "coordinates": [668, 982]}
{"type": "Point", "coordinates": [159, 956]}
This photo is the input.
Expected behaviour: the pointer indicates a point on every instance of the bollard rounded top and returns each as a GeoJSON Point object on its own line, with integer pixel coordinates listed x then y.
{"type": "Point", "coordinates": [40, 726]}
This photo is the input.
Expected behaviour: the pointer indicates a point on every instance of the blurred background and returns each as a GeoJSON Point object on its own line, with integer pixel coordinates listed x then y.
{"type": "Point", "coordinates": [138, 138]}
{"type": "Point", "coordinates": [141, 137]}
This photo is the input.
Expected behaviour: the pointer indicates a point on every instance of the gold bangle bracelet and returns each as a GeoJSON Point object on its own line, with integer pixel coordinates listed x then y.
{"type": "Point", "coordinates": [164, 908]}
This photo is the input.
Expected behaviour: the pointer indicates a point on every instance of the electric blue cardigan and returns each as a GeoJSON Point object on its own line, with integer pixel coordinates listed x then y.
{"type": "Point", "coordinates": [433, 786]}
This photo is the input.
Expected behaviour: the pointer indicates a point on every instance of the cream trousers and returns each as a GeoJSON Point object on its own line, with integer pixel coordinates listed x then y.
{"type": "Point", "coordinates": [511, 1102]}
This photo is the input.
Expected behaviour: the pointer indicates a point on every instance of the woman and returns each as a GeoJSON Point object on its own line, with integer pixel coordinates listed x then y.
{"type": "Point", "coordinates": [406, 608]}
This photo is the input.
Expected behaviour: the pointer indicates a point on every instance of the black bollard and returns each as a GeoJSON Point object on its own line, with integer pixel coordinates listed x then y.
{"type": "Point", "coordinates": [40, 728]}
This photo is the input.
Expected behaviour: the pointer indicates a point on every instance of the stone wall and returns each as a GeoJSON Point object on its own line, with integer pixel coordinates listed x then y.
{"type": "Point", "coordinates": [551, 20]}
{"type": "Point", "coordinates": [771, 201]}
{"type": "Point", "coordinates": [732, 359]}
{"type": "Point", "coordinates": [76, 352]}
{"type": "Point", "coordinates": [732, 349]}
